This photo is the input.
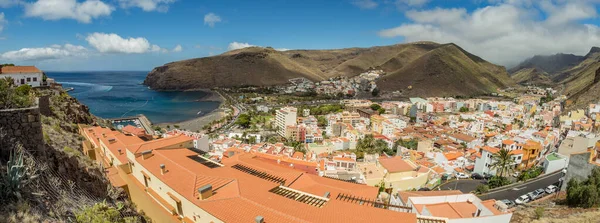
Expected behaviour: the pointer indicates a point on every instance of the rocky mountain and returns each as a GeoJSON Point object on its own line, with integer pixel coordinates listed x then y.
{"type": "Point", "coordinates": [532, 76]}
{"type": "Point", "coordinates": [552, 65]}
{"type": "Point", "coordinates": [582, 82]}
{"type": "Point", "coordinates": [421, 65]}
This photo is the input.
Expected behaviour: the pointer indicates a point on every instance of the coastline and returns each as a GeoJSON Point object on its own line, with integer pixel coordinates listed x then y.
{"type": "Point", "coordinates": [196, 124]}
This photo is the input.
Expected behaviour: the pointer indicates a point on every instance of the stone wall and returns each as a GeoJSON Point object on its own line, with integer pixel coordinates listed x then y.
{"type": "Point", "coordinates": [44, 105]}
{"type": "Point", "coordinates": [579, 167]}
{"type": "Point", "coordinates": [24, 126]}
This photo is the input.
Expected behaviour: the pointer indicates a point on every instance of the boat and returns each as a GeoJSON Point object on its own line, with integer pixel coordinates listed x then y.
{"type": "Point", "coordinates": [199, 113]}
{"type": "Point", "coordinates": [69, 89]}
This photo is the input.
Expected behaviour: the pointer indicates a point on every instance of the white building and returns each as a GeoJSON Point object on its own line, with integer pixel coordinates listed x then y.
{"type": "Point", "coordinates": [455, 208]}
{"type": "Point", "coordinates": [554, 162]}
{"type": "Point", "coordinates": [483, 163]}
{"type": "Point", "coordinates": [285, 116]}
{"type": "Point", "coordinates": [21, 75]}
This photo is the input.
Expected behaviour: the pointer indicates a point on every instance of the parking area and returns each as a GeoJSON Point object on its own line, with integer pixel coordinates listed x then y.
{"type": "Point", "coordinates": [513, 192]}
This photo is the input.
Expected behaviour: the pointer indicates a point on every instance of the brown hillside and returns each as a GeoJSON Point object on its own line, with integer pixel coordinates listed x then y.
{"type": "Point", "coordinates": [447, 71]}
{"type": "Point", "coordinates": [266, 66]}
{"type": "Point", "coordinates": [532, 76]}
{"type": "Point", "coordinates": [582, 83]}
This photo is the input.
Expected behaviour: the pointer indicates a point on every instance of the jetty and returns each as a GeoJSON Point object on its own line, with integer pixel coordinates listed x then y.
{"type": "Point", "coordinates": [142, 120]}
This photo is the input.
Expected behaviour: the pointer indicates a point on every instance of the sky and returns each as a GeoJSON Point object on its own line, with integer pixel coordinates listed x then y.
{"type": "Point", "coordinates": [84, 35]}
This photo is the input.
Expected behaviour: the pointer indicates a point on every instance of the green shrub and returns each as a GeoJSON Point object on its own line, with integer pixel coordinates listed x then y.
{"type": "Point", "coordinates": [482, 188]}
{"type": "Point", "coordinates": [99, 213]}
{"type": "Point", "coordinates": [498, 181]}
{"type": "Point", "coordinates": [539, 212]}
{"type": "Point", "coordinates": [584, 194]}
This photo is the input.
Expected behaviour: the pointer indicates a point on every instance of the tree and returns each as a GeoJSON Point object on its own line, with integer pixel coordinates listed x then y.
{"type": "Point", "coordinates": [381, 110]}
{"type": "Point", "coordinates": [375, 107]}
{"type": "Point", "coordinates": [463, 109]}
{"type": "Point", "coordinates": [584, 194]}
{"type": "Point", "coordinates": [498, 181]}
{"type": "Point", "coordinates": [321, 121]}
{"type": "Point", "coordinates": [502, 162]}
{"type": "Point", "coordinates": [243, 121]}
{"type": "Point", "coordinates": [375, 92]}
{"type": "Point", "coordinates": [371, 145]}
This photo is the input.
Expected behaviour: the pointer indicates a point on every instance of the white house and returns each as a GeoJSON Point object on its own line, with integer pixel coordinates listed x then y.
{"type": "Point", "coordinates": [21, 75]}
{"type": "Point", "coordinates": [483, 163]}
{"type": "Point", "coordinates": [554, 162]}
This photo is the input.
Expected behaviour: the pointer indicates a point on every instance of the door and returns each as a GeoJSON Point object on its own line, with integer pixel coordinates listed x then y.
{"type": "Point", "coordinates": [22, 81]}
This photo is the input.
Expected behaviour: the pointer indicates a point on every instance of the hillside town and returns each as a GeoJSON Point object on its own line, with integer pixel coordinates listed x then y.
{"type": "Point", "coordinates": [421, 160]}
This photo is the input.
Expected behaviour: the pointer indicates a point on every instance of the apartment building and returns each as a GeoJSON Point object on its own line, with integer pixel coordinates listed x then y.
{"type": "Point", "coordinates": [284, 117]}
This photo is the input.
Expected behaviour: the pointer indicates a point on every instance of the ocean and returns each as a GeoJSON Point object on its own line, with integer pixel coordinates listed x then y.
{"type": "Point", "coordinates": [114, 94]}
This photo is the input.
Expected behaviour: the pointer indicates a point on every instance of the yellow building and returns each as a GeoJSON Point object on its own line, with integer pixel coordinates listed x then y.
{"type": "Point", "coordinates": [531, 154]}
{"type": "Point", "coordinates": [395, 173]}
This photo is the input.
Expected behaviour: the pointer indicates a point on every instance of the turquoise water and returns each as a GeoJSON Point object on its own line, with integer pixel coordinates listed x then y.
{"type": "Point", "coordinates": [118, 94]}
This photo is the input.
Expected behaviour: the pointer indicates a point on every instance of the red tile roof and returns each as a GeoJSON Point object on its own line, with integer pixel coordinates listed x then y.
{"type": "Point", "coordinates": [19, 69]}
{"type": "Point", "coordinates": [396, 164]}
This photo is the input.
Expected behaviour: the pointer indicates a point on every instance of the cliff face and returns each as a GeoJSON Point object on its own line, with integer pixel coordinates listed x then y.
{"type": "Point", "coordinates": [66, 181]}
{"type": "Point", "coordinates": [408, 63]}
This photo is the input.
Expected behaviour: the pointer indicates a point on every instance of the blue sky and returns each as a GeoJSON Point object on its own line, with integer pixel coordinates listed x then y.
{"type": "Point", "coordinates": [143, 34]}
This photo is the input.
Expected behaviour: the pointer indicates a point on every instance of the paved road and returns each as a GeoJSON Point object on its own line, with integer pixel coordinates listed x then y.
{"type": "Point", "coordinates": [514, 192]}
{"type": "Point", "coordinates": [465, 186]}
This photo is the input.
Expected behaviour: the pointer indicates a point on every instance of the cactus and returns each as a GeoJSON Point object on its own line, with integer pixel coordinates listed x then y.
{"type": "Point", "coordinates": [17, 174]}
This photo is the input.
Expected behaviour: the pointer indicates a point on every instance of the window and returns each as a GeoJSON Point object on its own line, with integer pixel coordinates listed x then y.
{"type": "Point", "coordinates": [29, 79]}
{"type": "Point", "coordinates": [35, 79]}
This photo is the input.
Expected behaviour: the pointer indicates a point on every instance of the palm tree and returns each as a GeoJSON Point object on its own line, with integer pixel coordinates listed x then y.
{"type": "Point", "coordinates": [503, 162]}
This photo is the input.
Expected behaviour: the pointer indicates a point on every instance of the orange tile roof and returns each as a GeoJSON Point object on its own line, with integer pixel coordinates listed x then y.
{"type": "Point", "coordinates": [508, 142]}
{"type": "Point", "coordinates": [463, 137]}
{"type": "Point", "coordinates": [159, 143]}
{"type": "Point", "coordinates": [438, 169]}
{"type": "Point", "coordinates": [346, 159]}
{"type": "Point", "coordinates": [130, 129]}
{"type": "Point", "coordinates": [251, 197]}
{"type": "Point", "coordinates": [452, 210]}
{"type": "Point", "coordinates": [396, 164]}
{"type": "Point", "coordinates": [453, 155]}
{"type": "Point", "coordinates": [491, 149]}
{"type": "Point", "coordinates": [19, 69]}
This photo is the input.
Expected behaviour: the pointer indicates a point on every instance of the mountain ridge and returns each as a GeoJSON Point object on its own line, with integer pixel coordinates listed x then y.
{"type": "Point", "coordinates": [265, 66]}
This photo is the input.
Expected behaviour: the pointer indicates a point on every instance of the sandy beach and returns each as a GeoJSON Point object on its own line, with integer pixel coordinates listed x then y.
{"type": "Point", "coordinates": [196, 124]}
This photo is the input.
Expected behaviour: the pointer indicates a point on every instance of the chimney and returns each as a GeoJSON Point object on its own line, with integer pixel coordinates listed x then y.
{"type": "Point", "coordinates": [205, 192]}
{"type": "Point", "coordinates": [119, 151]}
{"type": "Point", "coordinates": [259, 219]}
{"type": "Point", "coordinates": [478, 213]}
{"type": "Point", "coordinates": [162, 169]}
{"type": "Point", "coordinates": [326, 194]}
{"type": "Point", "coordinates": [146, 154]}
{"type": "Point", "coordinates": [230, 154]}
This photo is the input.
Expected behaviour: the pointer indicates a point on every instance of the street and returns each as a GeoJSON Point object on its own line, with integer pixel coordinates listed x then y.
{"type": "Point", "coordinates": [512, 193]}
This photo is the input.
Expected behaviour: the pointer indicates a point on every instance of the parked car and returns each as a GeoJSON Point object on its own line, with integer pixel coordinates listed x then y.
{"type": "Point", "coordinates": [508, 203]}
{"type": "Point", "coordinates": [462, 176]}
{"type": "Point", "coordinates": [539, 193]}
{"type": "Point", "coordinates": [531, 196]}
{"type": "Point", "coordinates": [516, 174]}
{"type": "Point", "coordinates": [487, 176]}
{"type": "Point", "coordinates": [551, 189]}
{"type": "Point", "coordinates": [523, 199]}
{"type": "Point", "coordinates": [477, 176]}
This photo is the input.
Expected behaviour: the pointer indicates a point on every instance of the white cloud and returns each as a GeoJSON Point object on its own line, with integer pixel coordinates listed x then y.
{"type": "Point", "coordinates": [68, 9]}
{"type": "Point", "coordinates": [2, 21]}
{"type": "Point", "coordinates": [113, 43]}
{"type": "Point", "coordinates": [236, 45]}
{"type": "Point", "coordinates": [211, 19]}
{"type": "Point", "coordinates": [147, 5]}
{"type": "Point", "coordinates": [45, 53]}
{"type": "Point", "coordinates": [177, 49]}
{"type": "Point", "coordinates": [9, 3]}
{"type": "Point", "coordinates": [505, 33]}
{"type": "Point", "coordinates": [365, 4]}
{"type": "Point", "coordinates": [411, 3]}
